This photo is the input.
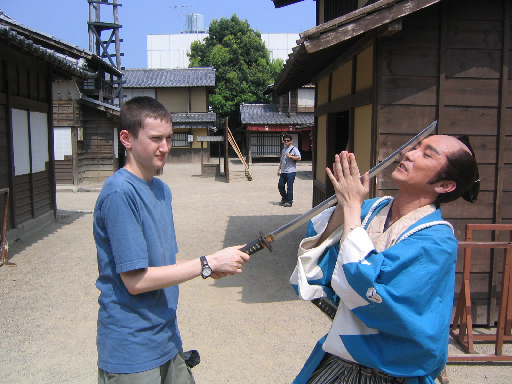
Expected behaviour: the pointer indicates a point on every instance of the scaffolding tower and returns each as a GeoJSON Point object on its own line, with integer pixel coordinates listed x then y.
{"type": "Point", "coordinates": [101, 47]}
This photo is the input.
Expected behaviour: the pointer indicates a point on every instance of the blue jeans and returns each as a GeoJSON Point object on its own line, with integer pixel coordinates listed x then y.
{"type": "Point", "coordinates": [286, 179]}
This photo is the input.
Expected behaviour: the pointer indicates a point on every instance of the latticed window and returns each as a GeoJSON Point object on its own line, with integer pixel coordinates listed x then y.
{"type": "Point", "coordinates": [266, 144]}
{"type": "Point", "coordinates": [180, 140]}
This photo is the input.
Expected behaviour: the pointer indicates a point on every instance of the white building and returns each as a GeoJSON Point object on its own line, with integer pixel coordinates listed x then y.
{"type": "Point", "coordinates": [170, 51]}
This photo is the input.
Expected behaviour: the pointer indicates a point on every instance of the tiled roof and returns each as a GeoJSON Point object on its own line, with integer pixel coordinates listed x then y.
{"type": "Point", "coordinates": [184, 77]}
{"type": "Point", "coordinates": [269, 114]}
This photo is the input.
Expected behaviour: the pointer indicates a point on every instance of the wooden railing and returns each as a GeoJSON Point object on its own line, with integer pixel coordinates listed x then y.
{"type": "Point", "coordinates": [464, 335]}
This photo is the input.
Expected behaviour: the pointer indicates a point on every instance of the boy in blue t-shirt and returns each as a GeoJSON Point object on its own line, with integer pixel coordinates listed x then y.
{"type": "Point", "coordinates": [138, 339]}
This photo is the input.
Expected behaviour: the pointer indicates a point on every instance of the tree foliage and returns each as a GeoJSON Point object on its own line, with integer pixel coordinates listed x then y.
{"type": "Point", "coordinates": [242, 63]}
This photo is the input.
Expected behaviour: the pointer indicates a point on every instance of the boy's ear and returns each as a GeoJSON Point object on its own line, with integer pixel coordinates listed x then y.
{"type": "Point", "coordinates": [445, 186]}
{"type": "Point", "coordinates": [125, 138]}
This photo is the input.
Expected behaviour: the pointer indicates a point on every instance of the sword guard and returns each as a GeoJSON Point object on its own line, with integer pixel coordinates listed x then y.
{"type": "Point", "coordinates": [257, 245]}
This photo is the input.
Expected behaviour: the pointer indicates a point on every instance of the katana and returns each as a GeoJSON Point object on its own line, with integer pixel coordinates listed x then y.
{"type": "Point", "coordinates": [264, 241]}
{"type": "Point", "coordinates": [329, 307]}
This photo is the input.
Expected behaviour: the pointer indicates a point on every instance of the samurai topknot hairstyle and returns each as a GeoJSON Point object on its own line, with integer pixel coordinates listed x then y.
{"type": "Point", "coordinates": [461, 168]}
{"type": "Point", "coordinates": [135, 111]}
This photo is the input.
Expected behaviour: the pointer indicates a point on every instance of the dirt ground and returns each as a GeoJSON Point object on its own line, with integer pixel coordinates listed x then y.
{"type": "Point", "coordinates": [249, 328]}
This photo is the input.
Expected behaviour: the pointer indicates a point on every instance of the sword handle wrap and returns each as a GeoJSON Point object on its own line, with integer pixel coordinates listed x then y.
{"type": "Point", "coordinates": [327, 306]}
{"type": "Point", "coordinates": [257, 245]}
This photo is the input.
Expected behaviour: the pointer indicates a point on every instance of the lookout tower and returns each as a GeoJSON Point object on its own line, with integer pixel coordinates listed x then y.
{"type": "Point", "coordinates": [109, 48]}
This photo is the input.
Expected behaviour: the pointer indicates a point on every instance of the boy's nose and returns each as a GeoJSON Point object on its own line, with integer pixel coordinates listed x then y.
{"type": "Point", "coordinates": [165, 146]}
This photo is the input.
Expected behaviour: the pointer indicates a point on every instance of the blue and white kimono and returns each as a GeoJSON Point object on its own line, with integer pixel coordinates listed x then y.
{"type": "Point", "coordinates": [394, 306]}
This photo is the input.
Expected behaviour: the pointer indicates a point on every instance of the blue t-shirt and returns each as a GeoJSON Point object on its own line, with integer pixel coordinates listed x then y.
{"type": "Point", "coordinates": [134, 229]}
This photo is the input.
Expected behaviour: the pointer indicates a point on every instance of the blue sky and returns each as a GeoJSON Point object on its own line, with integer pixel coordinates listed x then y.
{"type": "Point", "coordinates": [67, 19]}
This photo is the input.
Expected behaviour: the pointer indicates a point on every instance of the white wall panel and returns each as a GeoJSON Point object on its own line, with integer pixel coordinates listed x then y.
{"type": "Point", "coordinates": [20, 142]}
{"type": "Point", "coordinates": [62, 142]}
{"type": "Point", "coordinates": [39, 140]}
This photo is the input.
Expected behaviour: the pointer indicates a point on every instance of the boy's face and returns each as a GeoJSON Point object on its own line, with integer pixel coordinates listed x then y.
{"type": "Point", "coordinates": [147, 152]}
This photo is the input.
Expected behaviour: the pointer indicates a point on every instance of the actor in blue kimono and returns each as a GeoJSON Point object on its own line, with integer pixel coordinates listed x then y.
{"type": "Point", "coordinates": [389, 263]}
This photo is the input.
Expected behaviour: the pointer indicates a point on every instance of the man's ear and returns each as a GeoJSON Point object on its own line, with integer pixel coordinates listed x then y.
{"type": "Point", "coordinates": [445, 186]}
{"type": "Point", "coordinates": [125, 138]}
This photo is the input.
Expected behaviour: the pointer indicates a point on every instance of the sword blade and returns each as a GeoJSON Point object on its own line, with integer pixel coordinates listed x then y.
{"type": "Point", "coordinates": [265, 240]}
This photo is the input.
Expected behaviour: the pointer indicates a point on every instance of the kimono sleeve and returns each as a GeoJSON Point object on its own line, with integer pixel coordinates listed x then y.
{"type": "Point", "coordinates": [315, 263]}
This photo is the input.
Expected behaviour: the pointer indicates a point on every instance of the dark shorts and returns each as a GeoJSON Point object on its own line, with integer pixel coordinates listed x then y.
{"type": "Point", "coordinates": [174, 371]}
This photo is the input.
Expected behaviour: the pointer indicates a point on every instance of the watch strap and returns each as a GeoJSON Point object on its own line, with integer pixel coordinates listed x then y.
{"type": "Point", "coordinates": [206, 270]}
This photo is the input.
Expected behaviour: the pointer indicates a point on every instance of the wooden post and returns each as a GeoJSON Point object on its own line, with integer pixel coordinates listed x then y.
{"type": "Point", "coordinates": [4, 257]}
{"type": "Point", "coordinates": [202, 157]}
{"type": "Point", "coordinates": [226, 151]}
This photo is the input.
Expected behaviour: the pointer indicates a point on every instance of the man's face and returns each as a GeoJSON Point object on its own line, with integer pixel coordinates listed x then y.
{"type": "Point", "coordinates": [150, 149]}
{"type": "Point", "coordinates": [287, 141]}
{"type": "Point", "coordinates": [423, 162]}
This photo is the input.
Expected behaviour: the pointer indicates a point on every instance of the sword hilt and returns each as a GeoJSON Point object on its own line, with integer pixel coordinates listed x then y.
{"type": "Point", "coordinates": [257, 245]}
{"type": "Point", "coordinates": [327, 306]}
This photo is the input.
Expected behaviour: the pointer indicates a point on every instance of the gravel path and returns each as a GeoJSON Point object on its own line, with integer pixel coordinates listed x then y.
{"type": "Point", "coordinates": [248, 328]}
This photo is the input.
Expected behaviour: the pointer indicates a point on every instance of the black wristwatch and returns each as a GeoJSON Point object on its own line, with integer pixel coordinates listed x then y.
{"type": "Point", "coordinates": [206, 269]}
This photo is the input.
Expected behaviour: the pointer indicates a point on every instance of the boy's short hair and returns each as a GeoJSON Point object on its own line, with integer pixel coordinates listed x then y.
{"type": "Point", "coordinates": [287, 136]}
{"type": "Point", "coordinates": [136, 110]}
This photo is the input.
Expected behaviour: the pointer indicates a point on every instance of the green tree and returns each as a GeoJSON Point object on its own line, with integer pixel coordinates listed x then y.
{"type": "Point", "coordinates": [242, 63]}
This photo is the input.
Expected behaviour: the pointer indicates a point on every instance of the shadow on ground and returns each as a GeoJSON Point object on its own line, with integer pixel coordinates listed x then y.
{"type": "Point", "coordinates": [64, 218]}
{"type": "Point", "coordinates": [266, 277]}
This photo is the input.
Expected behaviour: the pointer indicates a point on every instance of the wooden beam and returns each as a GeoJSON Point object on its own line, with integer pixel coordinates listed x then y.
{"type": "Point", "coordinates": [8, 68]}
{"type": "Point", "coordinates": [391, 28]}
{"type": "Point", "coordinates": [345, 103]}
{"type": "Point", "coordinates": [51, 148]}
{"type": "Point", "coordinates": [377, 56]}
{"type": "Point", "coordinates": [348, 18]}
{"type": "Point", "coordinates": [504, 84]}
{"type": "Point", "coordinates": [441, 86]}
{"type": "Point", "coordinates": [370, 21]}
{"type": "Point", "coordinates": [19, 102]}
{"type": "Point", "coordinates": [363, 43]}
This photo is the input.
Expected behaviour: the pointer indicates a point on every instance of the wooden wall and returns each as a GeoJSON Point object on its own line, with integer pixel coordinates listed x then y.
{"type": "Point", "coordinates": [187, 155]}
{"type": "Point", "coordinates": [24, 85]}
{"type": "Point", "coordinates": [66, 113]}
{"type": "Point", "coordinates": [96, 159]}
{"type": "Point", "coordinates": [450, 62]}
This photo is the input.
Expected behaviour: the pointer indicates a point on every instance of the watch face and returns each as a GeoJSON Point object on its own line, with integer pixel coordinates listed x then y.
{"type": "Point", "coordinates": [206, 272]}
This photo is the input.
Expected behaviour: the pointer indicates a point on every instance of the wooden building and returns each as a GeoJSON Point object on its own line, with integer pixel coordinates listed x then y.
{"type": "Point", "coordinates": [30, 61]}
{"type": "Point", "coordinates": [264, 125]}
{"type": "Point", "coordinates": [184, 92]}
{"type": "Point", "coordinates": [385, 69]}
{"type": "Point", "coordinates": [85, 135]}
